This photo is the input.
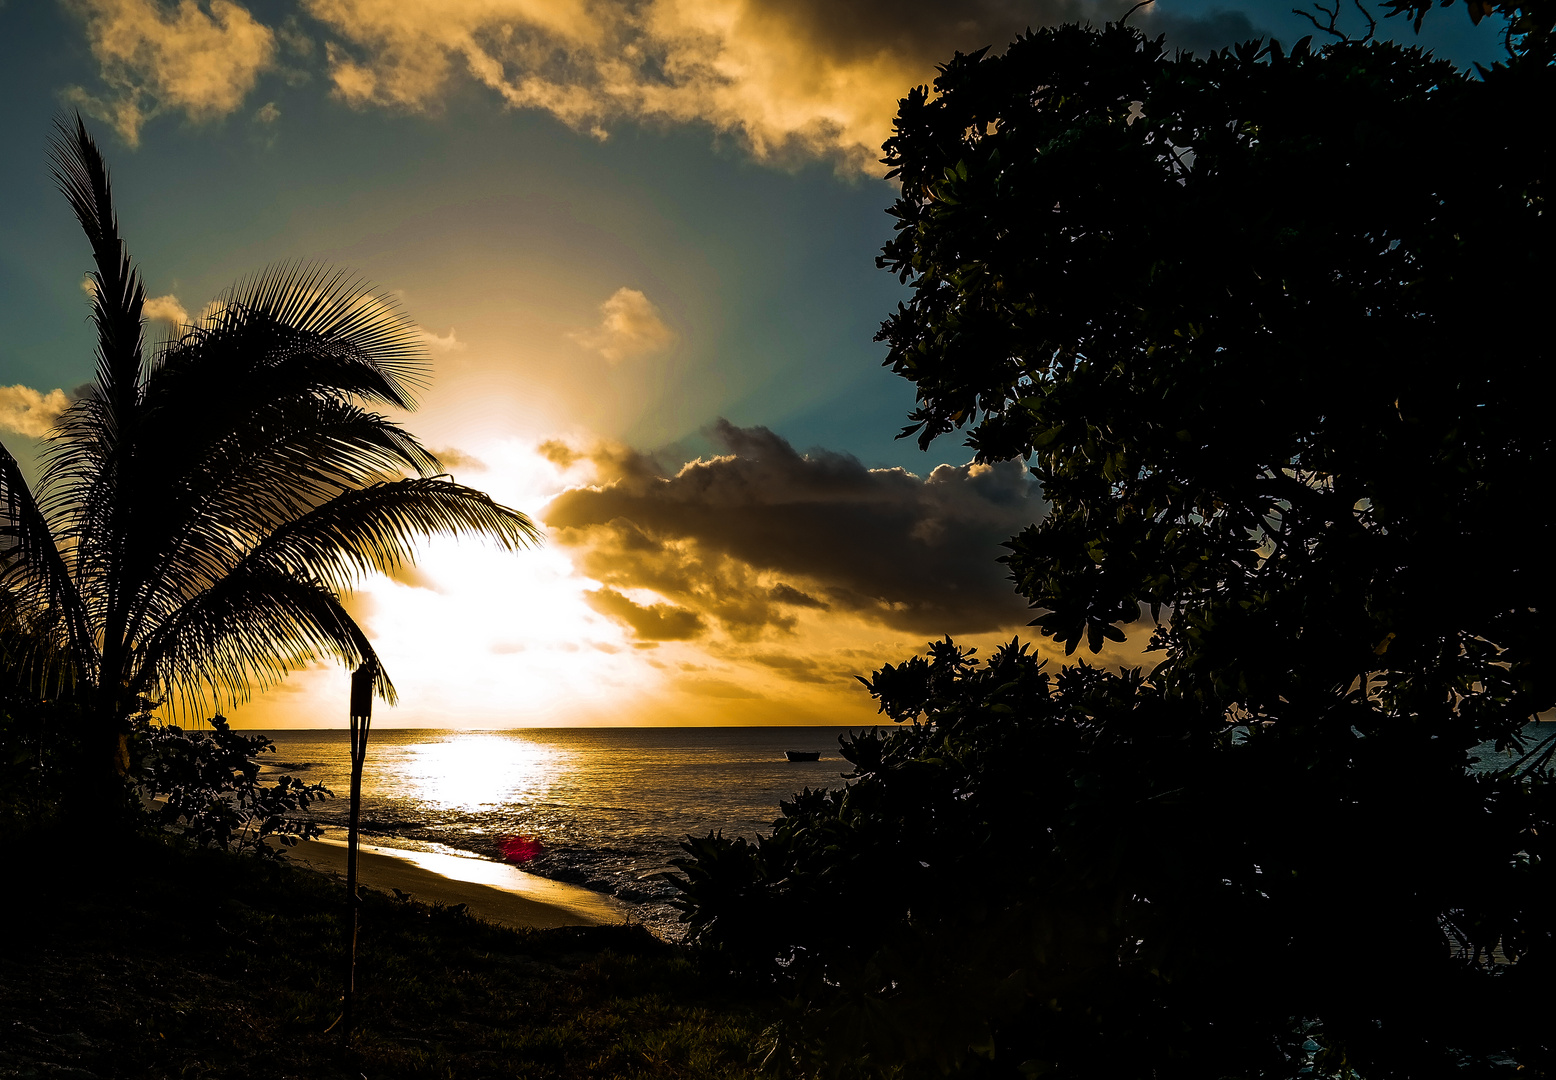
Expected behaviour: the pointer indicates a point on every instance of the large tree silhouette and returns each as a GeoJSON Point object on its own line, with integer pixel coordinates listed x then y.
{"type": "Point", "coordinates": [200, 514]}
{"type": "Point", "coordinates": [1260, 322]}
{"type": "Point", "coordinates": [1265, 324]}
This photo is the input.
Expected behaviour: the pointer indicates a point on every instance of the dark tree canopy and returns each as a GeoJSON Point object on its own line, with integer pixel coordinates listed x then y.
{"type": "Point", "coordinates": [1265, 324]}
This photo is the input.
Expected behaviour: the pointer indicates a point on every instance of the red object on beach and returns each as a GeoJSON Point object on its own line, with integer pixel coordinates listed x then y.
{"type": "Point", "coordinates": [521, 848]}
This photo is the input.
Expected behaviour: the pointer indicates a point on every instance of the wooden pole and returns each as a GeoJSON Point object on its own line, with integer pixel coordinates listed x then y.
{"type": "Point", "coordinates": [361, 721]}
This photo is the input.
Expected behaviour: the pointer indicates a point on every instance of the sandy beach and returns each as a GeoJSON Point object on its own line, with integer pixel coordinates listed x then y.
{"type": "Point", "coordinates": [494, 891]}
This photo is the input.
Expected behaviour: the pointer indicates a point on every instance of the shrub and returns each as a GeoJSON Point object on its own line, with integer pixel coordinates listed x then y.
{"type": "Point", "coordinates": [1078, 875]}
{"type": "Point", "coordinates": [205, 787]}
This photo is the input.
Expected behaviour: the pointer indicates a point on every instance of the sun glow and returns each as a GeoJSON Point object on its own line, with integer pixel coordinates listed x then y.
{"type": "Point", "coordinates": [472, 770]}
{"type": "Point", "coordinates": [478, 637]}
{"type": "Point", "coordinates": [475, 637]}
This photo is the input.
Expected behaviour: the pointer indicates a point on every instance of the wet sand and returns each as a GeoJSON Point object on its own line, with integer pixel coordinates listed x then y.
{"type": "Point", "coordinates": [494, 891]}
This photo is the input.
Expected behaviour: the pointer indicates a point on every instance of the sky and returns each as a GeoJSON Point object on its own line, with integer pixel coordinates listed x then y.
{"type": "Point", "coordinates": [638, 237]}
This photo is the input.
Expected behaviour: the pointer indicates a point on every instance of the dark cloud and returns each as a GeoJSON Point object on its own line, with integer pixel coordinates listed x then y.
{"type": "Point", "coordinates": [559, 453]}
{"type": "Point", "coordinates": [453, 458]}
{"type": "Point", "coordinates": [746, 539]}
{"type": "Point", "coordinates": [657, 622]}
{"type": "Point", "coordinates": [788, 594]}
{"type": "Point", "coordinates": [929, 31]}
{"type": "Point", "coordinates": [798, 668]}
{"type": "Point", "coordinates": [1202, 35]}
{"type": "Point", "coordinates": [716, 688]}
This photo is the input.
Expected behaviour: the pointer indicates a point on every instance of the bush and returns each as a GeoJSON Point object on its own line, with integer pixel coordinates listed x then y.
{"type": "Point", "coordinates": [204, 786]}
{"type": "Point", "coordinates": [39, 749]}
{"type": "Point", "coordinates": [1076, 875]}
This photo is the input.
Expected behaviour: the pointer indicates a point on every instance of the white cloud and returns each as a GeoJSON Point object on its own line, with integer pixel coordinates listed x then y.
{"type": "Point", "coordinates": [442, 343]}
{"type": "Point", "coordinates": [267, 114]}
{"type": "Point", "coordinates": [629, 326]}
{"type": "Point", "coordinates": [166, 309]}
{"type": "Point", "coordinates": [28, 412]}
{"type": "Point", "coordinates": [201, 60]}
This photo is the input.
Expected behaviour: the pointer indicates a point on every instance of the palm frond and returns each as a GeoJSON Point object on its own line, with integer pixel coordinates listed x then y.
{"type": "Point", "coordinates": [208, 513]}
{"type": "Point", "coordinates": [95, 445]}
{"type": "Point", "coordinates": [33, 576]}
{"type": "Point", "coordinates": [246, 633]}
{"type": "Point", "coordinates": [377, 527]}
{"type": "Point", "coordinates": [118, 294]}
{"type": "Point", "coordinates": [35, 654]}
{"type": "Point", "coordinates": [77, 493]}
{"type": "Point", "coordinates": [303, 326]}
{"type": "Point", "coordinates": [218, 637]}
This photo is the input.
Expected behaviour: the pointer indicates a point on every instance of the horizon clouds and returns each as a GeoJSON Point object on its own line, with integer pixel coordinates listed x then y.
{"type": "Point", "coordinates": [746, 540]}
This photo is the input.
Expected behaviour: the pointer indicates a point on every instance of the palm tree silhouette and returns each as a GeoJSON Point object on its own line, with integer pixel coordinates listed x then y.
{"type": "Point", "coordinates": [198, 516]}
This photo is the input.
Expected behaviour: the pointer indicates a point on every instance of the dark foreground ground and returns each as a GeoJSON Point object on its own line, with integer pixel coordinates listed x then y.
{"type": "Point", "coordinates": [151, 962]}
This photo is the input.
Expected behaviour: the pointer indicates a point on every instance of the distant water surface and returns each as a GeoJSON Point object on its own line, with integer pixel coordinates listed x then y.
{"type": "Point", "coordinates": [602, 807]}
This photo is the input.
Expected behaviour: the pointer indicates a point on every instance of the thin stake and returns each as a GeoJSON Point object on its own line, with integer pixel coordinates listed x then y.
{"type": "Point", "coordinates": [361, 721]}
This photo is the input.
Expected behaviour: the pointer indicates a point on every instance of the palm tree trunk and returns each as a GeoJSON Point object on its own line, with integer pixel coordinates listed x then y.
{"type": "Point", "coordinates": [103, 770]}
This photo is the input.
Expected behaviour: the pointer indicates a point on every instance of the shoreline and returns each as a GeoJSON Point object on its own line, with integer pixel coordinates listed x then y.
{"type": "Point", "coordinates": [493, 891]}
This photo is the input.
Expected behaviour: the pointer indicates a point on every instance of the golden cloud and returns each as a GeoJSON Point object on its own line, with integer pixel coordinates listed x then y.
{"type": "Point", "coordinates": [441, 343]}
{"type": "Point", "coordinates": [413, 577]}
{"type": "Point", "coordinates": [629, 327]}
{"type": "Point", "coordinates": [789, 80]}
{"type": "Point", "coordinates": [201, 61]}
{"type": "Point", "coordinates": [166, 309]}
{"type": "Point", "coordinates": [559, 454]}
{"type": "Point", "coordinates": [28, 412]}
{"type": "Point", "coordinates": [802, 78]}
{"type": "Point", "coordinates": [454, 458]}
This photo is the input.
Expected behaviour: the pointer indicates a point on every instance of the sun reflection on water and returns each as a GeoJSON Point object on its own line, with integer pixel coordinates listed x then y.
{"type": "Point", "coordinates": [476, 769]}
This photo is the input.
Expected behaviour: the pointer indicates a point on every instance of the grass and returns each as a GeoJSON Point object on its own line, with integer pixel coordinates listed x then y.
{"type": "Point", "coordinates": [149, 961]}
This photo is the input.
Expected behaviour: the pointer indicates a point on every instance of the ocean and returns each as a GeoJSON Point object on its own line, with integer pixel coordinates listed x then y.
{"type": "Point", "coordinates": [605, 808]}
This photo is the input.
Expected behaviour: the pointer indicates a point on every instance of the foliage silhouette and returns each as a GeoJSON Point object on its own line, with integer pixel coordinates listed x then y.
{"type": "Point", "coordinates": [1079, 875]}
{"type": "Point", "coordinates": [1227, 307]}
{"type": "Point", "coordinates": [209, 793]}
{"type": "Point", "coordinates": [40, 750]}
{"type": "Point", "coordinates": [1262, 324]}
{"type": "Point", "coordinates": [200, 514]}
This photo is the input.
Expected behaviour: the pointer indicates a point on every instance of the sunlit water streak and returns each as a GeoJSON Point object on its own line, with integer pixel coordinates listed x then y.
{"type": "Point", "coordinates": [608, 806]}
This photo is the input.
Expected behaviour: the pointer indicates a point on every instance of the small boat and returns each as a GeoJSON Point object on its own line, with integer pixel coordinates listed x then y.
{"type": "Point", "coordinates": [802, 755]}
